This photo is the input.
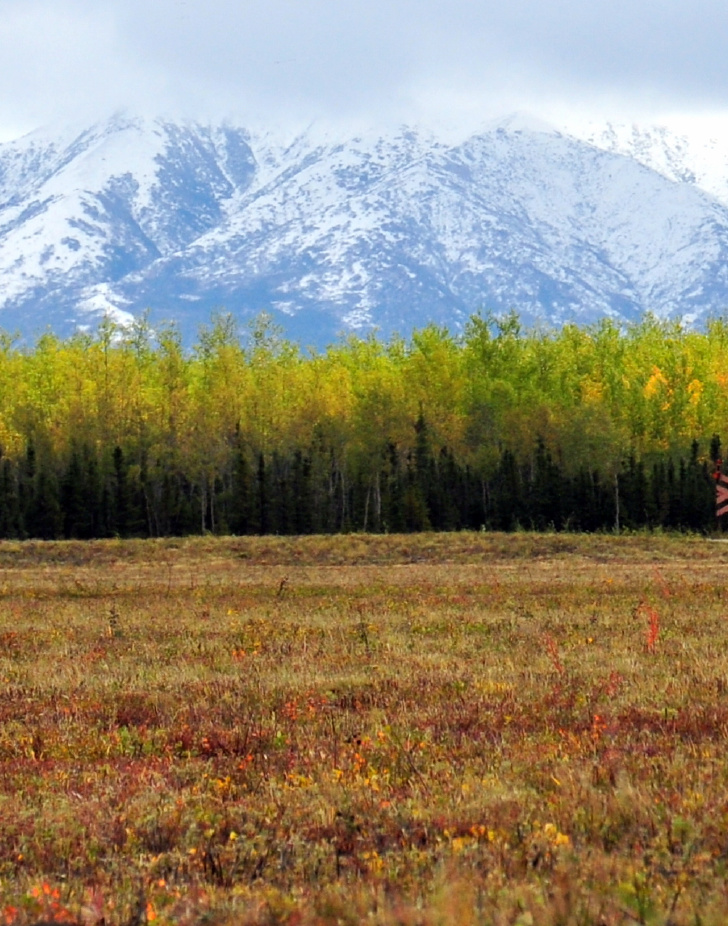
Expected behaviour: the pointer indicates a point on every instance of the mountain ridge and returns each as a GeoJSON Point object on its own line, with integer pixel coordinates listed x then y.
{"type": "Point", "coordinates": [357, 232]}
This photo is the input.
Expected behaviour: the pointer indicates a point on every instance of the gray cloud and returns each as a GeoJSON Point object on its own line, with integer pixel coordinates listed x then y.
{"type": "Point", "coordinates": [286, 59]}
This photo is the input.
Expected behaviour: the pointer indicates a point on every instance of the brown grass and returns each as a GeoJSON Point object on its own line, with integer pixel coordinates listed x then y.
{"type": "Point", "coordinates": [433, 729]}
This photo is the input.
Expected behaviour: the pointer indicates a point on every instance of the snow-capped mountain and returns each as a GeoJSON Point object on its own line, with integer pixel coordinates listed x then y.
{"type": "Point", "coordinates": [382, 230]}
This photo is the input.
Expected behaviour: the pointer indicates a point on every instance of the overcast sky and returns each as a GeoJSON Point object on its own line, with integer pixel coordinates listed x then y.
{"type": "Point", "coordinates": [292, 61]}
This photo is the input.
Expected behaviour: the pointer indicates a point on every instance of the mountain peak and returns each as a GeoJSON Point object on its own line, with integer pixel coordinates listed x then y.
{"type": "Point", "coordinates": [523, 121]}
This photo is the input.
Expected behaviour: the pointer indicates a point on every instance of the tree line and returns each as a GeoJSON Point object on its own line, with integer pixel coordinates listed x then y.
{"type": "Point", "coordinates": [123, 432]}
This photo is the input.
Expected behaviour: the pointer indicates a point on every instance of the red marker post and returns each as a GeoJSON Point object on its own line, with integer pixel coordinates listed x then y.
{"type": "Point", "coordinates": [721, 495]}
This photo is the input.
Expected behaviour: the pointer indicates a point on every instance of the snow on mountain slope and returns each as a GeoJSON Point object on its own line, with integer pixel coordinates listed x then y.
{"type": "Point", "coordinates": [696, 154]}
{"type": "Point", "coordinates": [333, 233]}
{"type": "Point", "coordinates": [80, 211]}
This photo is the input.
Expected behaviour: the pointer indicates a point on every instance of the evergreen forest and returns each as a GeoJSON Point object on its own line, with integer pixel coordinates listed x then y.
{"type": "Point", "coordinates": [125, 433]}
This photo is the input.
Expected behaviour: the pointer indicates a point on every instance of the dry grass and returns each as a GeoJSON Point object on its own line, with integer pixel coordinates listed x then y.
{"type": "Point", "coordinates": [434, 729]}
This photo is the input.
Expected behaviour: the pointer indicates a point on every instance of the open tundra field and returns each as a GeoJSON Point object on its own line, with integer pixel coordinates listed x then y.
{"type": "Point", "coordinates": [430, 729]}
